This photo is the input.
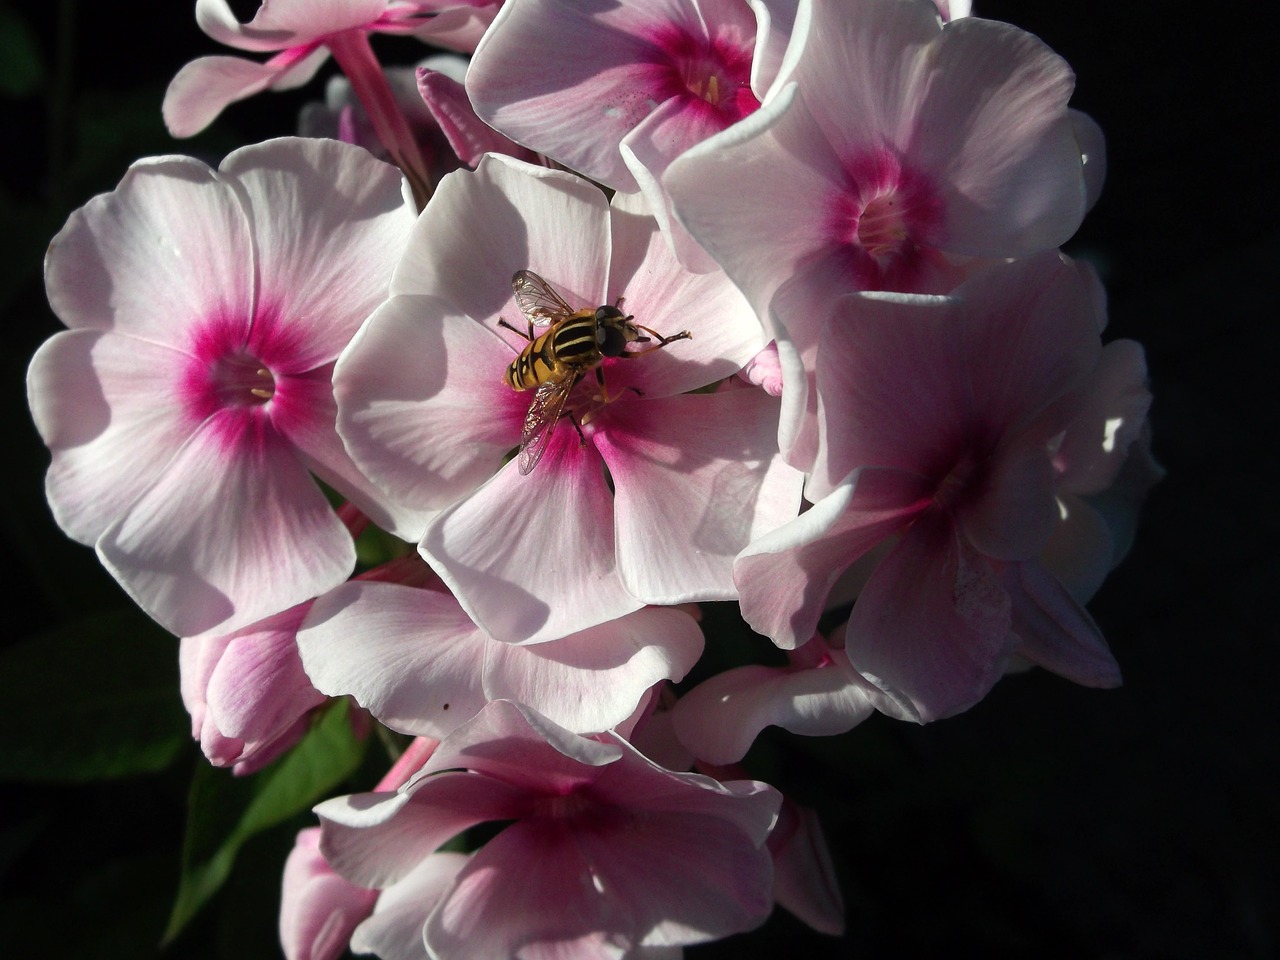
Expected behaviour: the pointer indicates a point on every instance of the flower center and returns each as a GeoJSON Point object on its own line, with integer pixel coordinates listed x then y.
{"type": "Point", "coordinates": [716, 72]}
{"type": "Point", "coordinates": [881, 229]}
{"type": "Point", "coordinates": [240, 380]}
{"type": "Point", "coordinates": [886, 215]}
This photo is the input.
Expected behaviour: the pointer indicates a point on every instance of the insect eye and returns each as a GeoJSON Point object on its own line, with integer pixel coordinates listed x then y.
{"type": "Point", "coordinates": [607, 313]}
{"type": "Point", "coordinates": [612, 340]}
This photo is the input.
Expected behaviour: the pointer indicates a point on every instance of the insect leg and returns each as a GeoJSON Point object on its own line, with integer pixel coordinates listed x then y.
{"type": "Point", "coordinates": [528, 336]}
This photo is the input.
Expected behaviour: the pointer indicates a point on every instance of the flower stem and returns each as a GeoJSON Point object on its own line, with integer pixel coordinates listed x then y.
{"type": "Point", "coordinates": [355, 56]}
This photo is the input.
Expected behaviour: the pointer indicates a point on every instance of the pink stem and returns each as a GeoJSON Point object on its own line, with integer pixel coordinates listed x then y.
{"type": "Point", "coordinates": [418, 753]}
{"type": "Point", "coordinates": [351, 50]}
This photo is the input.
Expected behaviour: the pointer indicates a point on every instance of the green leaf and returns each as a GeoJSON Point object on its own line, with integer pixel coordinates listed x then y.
{"type": "Point", "coordinates": [21, 68]}
{"type": "Point", "coordinates": [94, 700]}
{"type": "Point", "coordinates": [224, 811]}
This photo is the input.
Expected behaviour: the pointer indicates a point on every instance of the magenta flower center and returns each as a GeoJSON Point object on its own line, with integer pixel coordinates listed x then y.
{"type": "Point", "coordinates": [224, 374]}
{"type": "Point", "coordinates": [888, 216]}
{"type": "Point", "coordinates": [711, 72]}
{"type": "Point", "coordinates": [240, 380]}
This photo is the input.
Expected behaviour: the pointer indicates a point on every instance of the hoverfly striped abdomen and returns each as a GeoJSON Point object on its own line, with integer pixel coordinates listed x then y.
{"type": "Point", "coordinates": [576, 342]}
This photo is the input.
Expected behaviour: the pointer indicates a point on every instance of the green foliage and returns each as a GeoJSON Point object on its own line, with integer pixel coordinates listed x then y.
{"type": "Point", "coordinates": [224, 811]}
{"type": "Point", "coordinates": [21, 67]}
{"type": "Point", "coordinates": [97, 699]}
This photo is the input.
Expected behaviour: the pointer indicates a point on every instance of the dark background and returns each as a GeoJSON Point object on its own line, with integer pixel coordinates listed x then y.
{"type": "Point", "coordinates": [1050, 820]}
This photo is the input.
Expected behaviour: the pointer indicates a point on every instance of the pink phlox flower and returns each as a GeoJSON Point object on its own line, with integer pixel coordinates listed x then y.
{"type": "Point", "coordinates": [684, 65]}
{"type": "Point", "coordinates": [818, 693]}
{"type": "Point", "coordinates": [644, 83]}
{"type": "Point", "coordinates": [425, 410]}
{"type": "Point", "coordinates": [342, 117]}
{"type": "Point", "coordinates": [418, 663]}
{"type": "Point", "coordinates": [301, 34]}
{"type": "Point", "coordinates": [318, 908]}
{"type": "Point", "coordinates": [247, 693]}
{"type": "Point", "coordinates": [605, 852]}
{"type": "Point", "coordinates": [940, 419]}
{"type": "Point", "coordinates": [190, 401]}
{"type": "Point", "coordinates": [893, 153]}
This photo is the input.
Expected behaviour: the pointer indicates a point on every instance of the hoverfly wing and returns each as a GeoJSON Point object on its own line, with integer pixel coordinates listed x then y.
{"type": "Point", "coordinates": [540, 422]}
{"type": "Point", "coordinates": [536, 299]}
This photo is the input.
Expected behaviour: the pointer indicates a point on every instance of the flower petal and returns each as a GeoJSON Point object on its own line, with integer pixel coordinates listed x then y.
{"type": "Point", "coordinates": [422, 406]}
{"type": "Point", "coordinates": [933, 622]}
{"type": "Point", "coordinates": [170, 243]}
{"type": "Point", "coordinates": [532, 558]}
{"type": "Point", "coordinates": [234, 530]}
{"type": "Point", "coordinates": [785, 576]}
{"type": "Point", "coordinates": [326, 263]}
{"type": "Point", "coordinates": [591, 681]}
{"type": "Point", "coordinates": [94, 400]}
{"type": "Point", "coordinates": [696, 478]}
{"type": "Point", "coordinates": [394, 932]}
{"type": "Point", "coordinates": [410, 657]}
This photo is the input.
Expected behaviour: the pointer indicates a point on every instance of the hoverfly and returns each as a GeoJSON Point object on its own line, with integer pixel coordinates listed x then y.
{"type": "Point", "coordinates": [576, 342]}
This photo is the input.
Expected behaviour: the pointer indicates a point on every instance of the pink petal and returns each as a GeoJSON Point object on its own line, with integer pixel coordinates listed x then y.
{"type": "Point", "coordinates": [206, 86]}
{"type": "Point", "coordinates": [775, 22]}
{"type": "Point", "coordinates": [696, 478]}
{"type": "Point", "coordinates": [1097, 442]}
{"type": "Point", "coordinates": [170, 243]}
{"type": "Point", "coordinates": [234, 530]}
{"type": "Point", "coordinates": [572, 884]}
{"type": "Point", "coordinates": [994, 129]}
{"type": "Point", "coordinates": [574, 109]}
{"type": "Point", "coordinates": [457, 26]}
{"type": "Point", "coordinates": [862, 69]}
{"type": "Point", "coordinates": [507, 215]}
{"type": "Point", "coordinates": [1055, 631]}
{"type": "Point", "coordinates": [422, 406]}
{"type": "Point", "coordinates": [532, 558]}
{"type": "Point", "coordinates": [784, 577]}
{"type": "Point", "coordinates": [377, 839]}
{"type": "Point", "coordinates": [515, 745]}
{"type": "Point", "coordinates": [721, 717]}
{"type": "Point", "coordinates": [259, 688]}
{"type": "Point", "coordinates": [324, 268]}
{"type": "Point", "coordinates": [468, 135]}
{"type": "Point", "coordinates": [1081, 551]}
{"type": "Point", "coordinates": [394, 932]}
{"type": "Point", "coordinates": [306, 415]}
{"type": "Point", "coordinates": [1014, 513]}
{"type": "Point", "coordinates": [410, 657]}
{"type": "Point", "coordinates": [1031, 343]}
{"type": "Point", "coordinates": [529, 893]}
{"type": "Point", "coordinates": [892, 387]}
{"type": "Point", "coordinates": [93, 398]}
{"type": "Point", "coordinates": [285, 23]}
{"type": "Point", "coordinates": [592, 681]}
{"type": "Point", "coordinates": [662, 294]}
{"type": "Point", "coordinates": [933, 622]}
{"type": "Point", "coordinates": [318, 908]}
{"type": "Point", "coordinates": [1093, 155]}
{"type": "Point", "coordinates": [804, 879]}
{"type": "Point", "coordinates": [759, 244]}
{"type": "Point", "coordinates": [648, 151]}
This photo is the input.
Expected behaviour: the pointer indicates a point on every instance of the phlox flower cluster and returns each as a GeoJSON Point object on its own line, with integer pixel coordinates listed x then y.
{"type": "Point", "coordinates": [614, 311]}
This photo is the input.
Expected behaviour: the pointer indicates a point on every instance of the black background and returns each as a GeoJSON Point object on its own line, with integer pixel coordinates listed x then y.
{"type": "Point", "coordinates": [1050, 820]}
